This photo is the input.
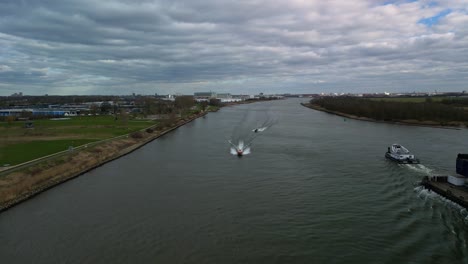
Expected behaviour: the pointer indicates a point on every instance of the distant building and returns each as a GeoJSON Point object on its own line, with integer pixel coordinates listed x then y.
{"type": "Point", "coordinates": [224, 96]}
{"type": "Point", "coordinates": [227, 98]}
{"type": "Point", "coordinates": [243, 97]}
{"type": "Point", "coordinates": [168, 97]}
{"type": "Point", "coordinates": [15, 112]}
{"type": "Point", "coordinates": [204, 95]}
{"type": "Point", "coordinates": [38, 112]}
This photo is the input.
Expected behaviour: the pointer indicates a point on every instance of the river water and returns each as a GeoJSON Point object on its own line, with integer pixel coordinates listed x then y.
{"type": "Point", "coordinates": [315, 189]}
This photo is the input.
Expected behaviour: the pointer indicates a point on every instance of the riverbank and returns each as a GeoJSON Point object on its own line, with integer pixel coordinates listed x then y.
{"type": "Point", "coordinates": [433, 124]}
{"type": "Point", "coordinates": [23, 184]}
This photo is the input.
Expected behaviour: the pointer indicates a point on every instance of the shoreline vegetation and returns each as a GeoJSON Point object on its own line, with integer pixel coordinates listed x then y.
{"type": "Point", "coordinates": [424, 113]}
{"type": "Point", "coordinates": [21, 184]}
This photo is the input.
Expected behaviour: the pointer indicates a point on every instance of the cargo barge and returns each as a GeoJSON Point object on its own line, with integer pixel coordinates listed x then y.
{"type": "Point", "coordinates": [452, 187]}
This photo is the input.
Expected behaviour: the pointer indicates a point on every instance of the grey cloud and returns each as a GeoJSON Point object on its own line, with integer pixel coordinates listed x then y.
{"type": "Point", "coordinates": [237, 46]}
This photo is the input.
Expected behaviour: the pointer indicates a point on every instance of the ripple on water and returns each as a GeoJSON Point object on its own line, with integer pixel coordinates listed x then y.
{"type": "Point", "coordinates": [432, 199]}
{"type": "Point", "coordinates": [315, 189]}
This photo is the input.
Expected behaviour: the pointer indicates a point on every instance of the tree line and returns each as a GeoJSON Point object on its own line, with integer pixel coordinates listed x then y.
{"type": "Point", "coordinates": [463, 102]}
{"type": "Point", "coordinates": [394, 111]}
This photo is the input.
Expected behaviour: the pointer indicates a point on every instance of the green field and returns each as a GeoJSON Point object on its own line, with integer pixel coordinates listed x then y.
{"type": "Point", "coordinates": [19, 144]}
{"type": "Point", "coordinates": [21, 152]}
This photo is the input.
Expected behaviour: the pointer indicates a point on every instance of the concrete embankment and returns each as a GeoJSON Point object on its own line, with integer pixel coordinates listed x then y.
{"type": "Point", "coordinates": [19, 186]}
{"type": "Point", "coordinates": [432, 124]}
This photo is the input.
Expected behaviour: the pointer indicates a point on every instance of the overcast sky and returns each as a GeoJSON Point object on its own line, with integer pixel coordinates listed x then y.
{"type": "Point", "coordinates": [169, 46]}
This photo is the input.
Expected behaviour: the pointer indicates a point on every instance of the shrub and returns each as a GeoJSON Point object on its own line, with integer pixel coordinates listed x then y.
{"type": "Point", "coordinates": [35, 170]}
{"type": "Point", "coordinates": [137, 134]}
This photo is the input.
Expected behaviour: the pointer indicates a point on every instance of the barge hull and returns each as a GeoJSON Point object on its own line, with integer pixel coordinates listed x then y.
{"type": "Point", "coordinates": [455, 194]}
{"type": "Point", "coordinates": [416, 161]}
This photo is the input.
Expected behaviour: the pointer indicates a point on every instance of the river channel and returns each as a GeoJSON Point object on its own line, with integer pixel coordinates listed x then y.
{"type": "Point", "coordinates": [316, 188]}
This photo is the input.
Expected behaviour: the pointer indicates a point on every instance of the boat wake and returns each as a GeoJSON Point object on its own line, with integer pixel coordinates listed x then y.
{"type": "Point", "coordinates": [425, 193]}
{"type": "Point", "coordinates": [428, 195]}
{"type": "Point", "coordinates": [418, 168]}
{"type": "Point", "coordinates": [242, 137]}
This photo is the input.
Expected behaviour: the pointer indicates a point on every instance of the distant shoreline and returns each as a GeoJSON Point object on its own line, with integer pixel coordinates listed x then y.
{"type": "Point", "coordinates": [399, 122]}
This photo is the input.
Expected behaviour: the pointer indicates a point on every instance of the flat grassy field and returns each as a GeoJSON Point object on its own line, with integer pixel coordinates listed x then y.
{"type": "Point", "coordinates": [19, 144]}
{"type": "Point", "coordinates": [20, 152]}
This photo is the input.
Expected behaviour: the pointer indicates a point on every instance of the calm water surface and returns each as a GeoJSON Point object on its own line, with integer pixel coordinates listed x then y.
{"type": "Point", "coordinates": [316, 189]}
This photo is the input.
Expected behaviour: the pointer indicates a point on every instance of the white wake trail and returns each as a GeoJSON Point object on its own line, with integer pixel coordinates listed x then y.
{"type": "Point", "coordinates": [419, 168]}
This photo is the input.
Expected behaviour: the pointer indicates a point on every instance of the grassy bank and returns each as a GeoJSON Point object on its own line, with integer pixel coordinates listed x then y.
{"type": "Point", "coordinates": [19, 144]}
{"type": "Point", "coordinates": [29, 181]}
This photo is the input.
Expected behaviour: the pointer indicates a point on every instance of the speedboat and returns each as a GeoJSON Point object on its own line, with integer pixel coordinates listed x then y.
{"type": "Point", "coordinates": [240, 152]}
{"type": "Point", "coordinates": [240, 149]}
{"type": "Point", "coordinates": [259, 129]}
{"type": "Point", "coordinates": [400, 154]}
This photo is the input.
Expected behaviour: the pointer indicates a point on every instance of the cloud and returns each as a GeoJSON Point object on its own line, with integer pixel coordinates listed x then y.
{"type": "Point", "coordinates": [120, 47]}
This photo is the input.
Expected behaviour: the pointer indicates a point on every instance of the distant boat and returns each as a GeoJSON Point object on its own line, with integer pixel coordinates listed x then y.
{"type": "Point", "coordinates": [400, 154]}
{"type": "Point", "coordinates": [260, 129]}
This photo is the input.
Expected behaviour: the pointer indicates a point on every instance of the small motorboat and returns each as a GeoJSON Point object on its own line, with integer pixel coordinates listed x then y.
{"type": "Point", "coordinates": [259, 129]}
{"type": "Point", "coordinates": [400, 154]}
{"type": "Point", "coordinates": [240, 149]}
{"type": "Point", "coordinates": [240, 152]}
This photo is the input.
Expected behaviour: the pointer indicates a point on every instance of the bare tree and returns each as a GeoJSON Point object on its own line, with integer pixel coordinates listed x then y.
{"type": "Point", "coordinates": [204, 105]}
{"type": "Point", "coordinates": [93, 109]}
{"type": "Point", "coordinates": [123, 116]}
{"type": "Point", "coordinates": [10, 119]}
{"type": "Point", "coordinates": [184, 102]}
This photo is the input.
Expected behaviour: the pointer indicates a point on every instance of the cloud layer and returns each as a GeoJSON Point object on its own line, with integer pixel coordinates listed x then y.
{"type": "Point", "coordinates": [303, 46]}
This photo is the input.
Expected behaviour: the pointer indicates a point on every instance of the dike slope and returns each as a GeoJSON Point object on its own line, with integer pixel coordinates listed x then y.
{"type": "Point", "coordinates": [24, 184]}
